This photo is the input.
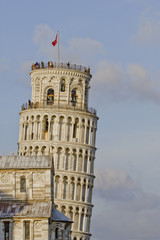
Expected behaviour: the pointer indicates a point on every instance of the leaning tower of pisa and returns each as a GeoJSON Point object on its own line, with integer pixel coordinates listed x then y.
{"type": "Point", "coordinates": [58, 122]}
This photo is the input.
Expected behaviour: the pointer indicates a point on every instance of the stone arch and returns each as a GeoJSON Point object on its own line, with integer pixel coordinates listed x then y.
{"type": "Point", "coordinates": [82, 220]}
{"type": "Point", "coordinates": [76, 219]}
{"type": "Point", "coordinates": [36, 150]}
{"type": "Point", "coordinates": [30, 150]}
{"type": "Point", "coordinates": [45, 127]}
{"type": "Point", "coordinates": [70, 212]}
{"type": "Point", "coordinates": [61, 127]}
{"type": "Point", "coordinates": [85, 161]}
{"type": "Point", "coordinates": [49, 96]}
{"type": "Point", "coordinates": [72, 188]}
{"type": "Point", "coordinates": [84, 190]}
{"type": "Point", "coordinates": [44, 150]}
{"type": "Point", "coordinates": [69, 126]}
{"type": "Point", "coordinates": [67, 158]}
{"type": "Point", "coordinates": [80, 161]}
{"type": "Point", "coordinates": [65, 187]}
{"type": "Point", "coordinates": [63, 209]}
{"type": "Point", "coordinates": [75, 128]}
{"type": "Point", "coordinates": [23, 184]}
{"type": "Point", "coordinates": [59, 157]}
{"type": "Point", "coordinates": [82, 130]}
{"type": "Point", "coordinates": [78, 189]}
{"type": "Point", "coordinates": [63, 84]}
{"type": "Point", "coordinates": [74, 160]}
{"type": "Point", "coordinates": [53, 127]}
{"type": "Point", "coordinates": [57, 183]}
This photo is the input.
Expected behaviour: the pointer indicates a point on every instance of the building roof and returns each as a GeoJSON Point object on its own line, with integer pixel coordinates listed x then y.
{"type": "Point", "coordinates": [58, 216]}
{"type": "Point", "coordinates": [35, 209]}
{"type": "Point", "coordinates": [25, 162]}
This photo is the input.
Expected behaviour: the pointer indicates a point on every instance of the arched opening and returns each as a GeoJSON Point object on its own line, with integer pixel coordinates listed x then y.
{"type": "Point", "coordinates": [23, 184]}
{"type": "Point", "coordinates": [56, 186]}
{"type": "Point", "coordinates": [63, 210]}
{"type": "Point", "coordinates": [71, 213]}
{"type": "Point", "coordinates": [62, 85]}
{"type": "Point", "coordinates": [50, 96]}
{"type": "Point", "coordinates": [84, 191]}
{"type": "Point", "coordinates": [45, 128]}
{"type": "Point", "coordinates": [73, 97]}
{"type": "Point", "coordinates": [74, 160]}
{"type": "Point", "coordinates": [61, 128]}
{"type": "Point", "coordinates": [80, 159]}
{"type": "Point", "coordinates": [59, 157]}
{"type": "Point", "coordinates": [75, 128]}
{"type": "Point", "coordinates": [66, 165]}
{"type": "Point", "coordinates": [78, 192]}
{"type": "Point", "coordinates": [64, 187]}
{"type": "Point", "coordinates": [56, 233]}
{"type": "Point", "coordinates": [76, 219]}
{"type": "Point", "coordinates": [52, 132]}
{"type": "Point", "coordinates": [85, 162]}
{"type": "Point", "coordinates": [87, 132]}
{"type": "Point", "coordinates": [38, 127]}
{"type": "Point", "coordinates": [69, 123]}
{"type": "Point", "coordinates": [81, 222]}
{"type": "Point", "coordinates": [72, 188]}
{"type": "Point", "coordinates": [30, 150]}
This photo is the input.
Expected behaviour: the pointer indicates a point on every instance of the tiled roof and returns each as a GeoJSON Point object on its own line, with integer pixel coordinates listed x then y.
{"type": "Point", "coordinates": [58, 216]}
{"type": "Point", "coordinates": [35, 209]}
{"type": "Point", "coordinates": [21, 162]}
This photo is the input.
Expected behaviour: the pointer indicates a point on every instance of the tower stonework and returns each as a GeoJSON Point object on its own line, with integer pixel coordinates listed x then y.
{"type": "Point", "coordinates": [58, 122]}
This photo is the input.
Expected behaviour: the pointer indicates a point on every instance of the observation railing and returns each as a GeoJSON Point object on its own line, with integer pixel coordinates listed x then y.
{"type": "Point", "coordinates": [71, 105]}
{"type": "Point", "coordinates": [68, 65]}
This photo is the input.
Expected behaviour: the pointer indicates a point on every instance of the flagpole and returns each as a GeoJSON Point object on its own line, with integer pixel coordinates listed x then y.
{"type": "Point", "coordinates": [58, 52]}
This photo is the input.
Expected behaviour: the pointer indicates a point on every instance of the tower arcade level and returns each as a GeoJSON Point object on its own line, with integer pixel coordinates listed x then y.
{"type": "Point", "coordinates": [58, 122]}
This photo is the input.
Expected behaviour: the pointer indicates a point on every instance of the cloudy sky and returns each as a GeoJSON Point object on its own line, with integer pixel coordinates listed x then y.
{"type": "Point", "coordinates": [120, 41]}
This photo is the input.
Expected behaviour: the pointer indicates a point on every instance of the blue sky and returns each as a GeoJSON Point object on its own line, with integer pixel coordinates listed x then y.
{"type": "Point", "coordinates": [119, 40]}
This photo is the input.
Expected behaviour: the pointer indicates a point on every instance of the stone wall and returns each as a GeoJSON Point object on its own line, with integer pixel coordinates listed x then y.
{"type": "Point", "coordinates": [37, 184]}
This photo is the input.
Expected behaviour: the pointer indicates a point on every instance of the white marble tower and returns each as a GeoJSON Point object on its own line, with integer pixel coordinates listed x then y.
{"type": "Point", "coordinates": [58, 122]}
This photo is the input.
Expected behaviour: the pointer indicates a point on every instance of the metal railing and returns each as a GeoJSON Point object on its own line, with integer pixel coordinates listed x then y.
{"type": "Point", "coordinates": [71, 105]}
{"type": "Point", "coordinates": [51, 65]}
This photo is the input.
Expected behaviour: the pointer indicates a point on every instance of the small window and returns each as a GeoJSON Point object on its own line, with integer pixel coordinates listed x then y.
{"type": "Point", "coordinates": [56, 233]}
{"type": "Point", "coordinates": [27, 230]}
{"type": "Point", "coordinates": [62, 85]}
{"type": "Point", "coordinates": [73, 96]}
{"type": "Point", "coordinates": [6, 231]}
{"type": "Point", "coordinates": [50, 96]}
{"type": "Point", "coordinates": [23, 184]}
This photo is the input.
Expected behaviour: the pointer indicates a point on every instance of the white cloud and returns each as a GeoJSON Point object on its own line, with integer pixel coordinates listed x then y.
{"type": "Point", "coordinates": [149, 28]}
{"type": "Point", "coordinates": [134, 82]}
{"type": "Point", "coordinates": [118, 184]}
{"type": "Point", "coordinates": [43, 38]}
{"type": "Point", "coordinates": [122, 217]}
{"type": "Point", "coordinates": [79, 50]}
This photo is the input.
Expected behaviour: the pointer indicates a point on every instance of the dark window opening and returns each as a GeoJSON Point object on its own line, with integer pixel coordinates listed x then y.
{"type": "Point", "coordinates": [46, 125]}
{"type": "Point", "coordinates": [27, 230]}
{"type": "Point", "coordinates": [22, 184]}
{"type": "Point", "coordinates": [63, 86]}
{"type": "Point", "coordinates": [56, 233]}
{"type": "Point", "coordinates": [50, 96]}
{"type": "Point", "coordinates": [73, 96]}
{"type": "Point", "coordinates": [6, 230]}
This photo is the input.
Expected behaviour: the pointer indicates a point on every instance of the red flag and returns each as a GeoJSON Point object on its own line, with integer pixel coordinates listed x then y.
{"type": "Point", "coordinates": [55, 41]}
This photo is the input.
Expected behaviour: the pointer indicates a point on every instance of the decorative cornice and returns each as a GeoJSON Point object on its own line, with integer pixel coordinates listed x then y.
{"type": "Point", "coordinates": [70, 72]}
